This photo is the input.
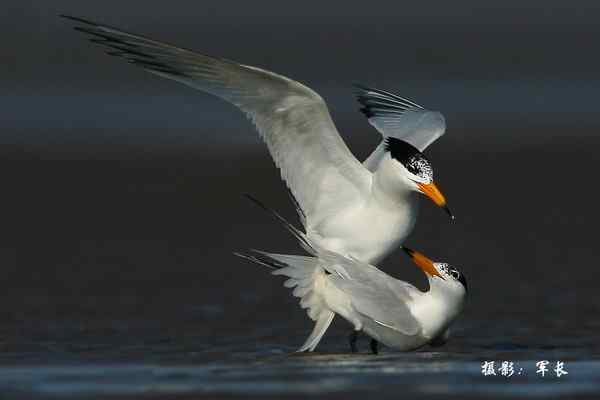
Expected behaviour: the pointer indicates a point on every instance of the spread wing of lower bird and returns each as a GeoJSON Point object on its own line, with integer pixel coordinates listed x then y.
{"type": "Point", "coordinates": [400, 118]}
{"type": "Point", "coordinates": [293, 120]}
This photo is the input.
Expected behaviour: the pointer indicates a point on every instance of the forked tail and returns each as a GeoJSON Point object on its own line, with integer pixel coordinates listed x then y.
{"type": "Point", "coordinates": [305, 276]}
{"type": "Point", "coordinates": [298, 234]}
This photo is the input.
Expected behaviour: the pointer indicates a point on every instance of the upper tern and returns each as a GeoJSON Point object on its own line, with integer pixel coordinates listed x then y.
{"type": "Point", "coordinates": [390, 311]}
{"type": "Point", "coordinates": [360, 210]}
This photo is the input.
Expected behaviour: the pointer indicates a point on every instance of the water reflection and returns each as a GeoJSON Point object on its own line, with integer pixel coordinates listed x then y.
{"type": "Point", "coordinates": [315, 374]}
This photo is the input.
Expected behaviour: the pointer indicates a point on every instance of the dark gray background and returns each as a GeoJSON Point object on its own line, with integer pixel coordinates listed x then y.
{"type": "Point", "coordinates": [121, 201]}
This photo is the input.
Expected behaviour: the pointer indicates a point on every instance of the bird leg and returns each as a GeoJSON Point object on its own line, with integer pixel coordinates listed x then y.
{"type": "Point", "coordinates": [352, 339]}
{"type": "Point", "coordinates": [374, 346]}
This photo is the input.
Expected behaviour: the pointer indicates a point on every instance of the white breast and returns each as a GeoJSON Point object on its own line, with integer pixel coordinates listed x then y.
{"type": "Point", "coordinates": [434, 311]}
{"type": "Point", "coordinates": [367, 232]}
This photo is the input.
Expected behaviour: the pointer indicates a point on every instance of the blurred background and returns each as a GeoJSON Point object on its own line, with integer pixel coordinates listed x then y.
{"type": "Point", "coordinates": [122, 193]}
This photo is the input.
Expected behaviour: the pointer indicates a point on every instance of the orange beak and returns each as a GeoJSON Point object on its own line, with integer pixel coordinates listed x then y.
{"type": "Point", "coordinates": [422, 262]}
{"type": "Point", "coordinates": [431, 190]}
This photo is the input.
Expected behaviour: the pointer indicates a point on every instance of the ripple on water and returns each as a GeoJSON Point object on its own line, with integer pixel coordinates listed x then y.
{"type": "Point", "coordinates": [314, 374]}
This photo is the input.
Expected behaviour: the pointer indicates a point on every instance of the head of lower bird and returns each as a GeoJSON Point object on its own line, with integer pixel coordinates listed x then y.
{"type": "Point", "coordinates": [440, 274]}
{"type": "Point", "coordinates": [415, 170]}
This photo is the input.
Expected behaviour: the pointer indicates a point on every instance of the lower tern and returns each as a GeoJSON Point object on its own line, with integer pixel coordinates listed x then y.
{"type": "Point", "coordinates": [361, 210]}
{"type": "Point", "coordinates": [390, 311]}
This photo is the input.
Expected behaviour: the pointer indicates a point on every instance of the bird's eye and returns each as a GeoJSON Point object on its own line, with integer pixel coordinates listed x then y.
{"type": "Point", "coordinates": [455, 274]}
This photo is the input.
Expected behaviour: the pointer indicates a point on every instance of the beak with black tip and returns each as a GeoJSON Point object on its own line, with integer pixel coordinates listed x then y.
{"type": "Point", "coordinates": [431, 190]}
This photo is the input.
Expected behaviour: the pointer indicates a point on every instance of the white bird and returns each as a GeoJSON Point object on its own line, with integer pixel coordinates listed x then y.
{"type": "Point", "coordinates": [360, 210]}
{"type": "Point", "coordinates": [389, 310]}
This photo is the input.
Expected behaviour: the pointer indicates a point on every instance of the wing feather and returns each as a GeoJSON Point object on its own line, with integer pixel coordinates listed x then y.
{"type": "Point", "coordinates": [372, 292]}
{"type": "Point", "coordinates": [293, 120]}
{"type": "Point", "coordinates": [398, 117]}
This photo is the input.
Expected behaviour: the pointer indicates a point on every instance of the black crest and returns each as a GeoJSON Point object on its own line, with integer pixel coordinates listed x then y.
{"type": "Point", "coordinates": [409, 156]}
{"type": "Point", "coordinates": [400, 150]}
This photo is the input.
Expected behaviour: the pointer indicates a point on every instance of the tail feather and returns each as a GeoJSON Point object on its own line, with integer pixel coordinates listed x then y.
{"type": "Point", "coordinates": [259, 258]}
{"type": "Point", "coordinates": [304, 242]}
{"type": "Point", "coordinates": [306, 277]}
{"type": "Point", "coordinates": [290, 283]}
{"type": "Point", "coordinates": [323, 322]}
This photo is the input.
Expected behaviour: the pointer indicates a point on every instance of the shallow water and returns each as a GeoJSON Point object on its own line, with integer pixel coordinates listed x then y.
{"type": "Point", "coordinates": [119, 279]}
{"type": "Point", "coordinates": [421, 375]}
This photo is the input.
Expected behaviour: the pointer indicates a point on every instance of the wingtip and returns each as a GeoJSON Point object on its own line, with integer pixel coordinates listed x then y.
{"type": "Point", "coordinates": [359, 88]}
{"type": "Point", "coordinates": [82, 29]}
{"type": "Point", "coordinates": [255, 201]}
{"type": "Point", "coordinates": [77, 19]}
{"type": "Point", "coordinates": [242, 254]}
{"type": "Point", "coordinates": [383, 95]}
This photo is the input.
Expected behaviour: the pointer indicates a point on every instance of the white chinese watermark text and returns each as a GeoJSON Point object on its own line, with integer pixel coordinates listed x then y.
{"type": "Point", "coordinates": [507, 369]}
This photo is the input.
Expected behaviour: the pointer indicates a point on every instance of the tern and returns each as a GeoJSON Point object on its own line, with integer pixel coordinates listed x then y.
{"type": "Point", "coordinates": [361, 210]}
{"type": "Point", "coordinates": [390, 311]}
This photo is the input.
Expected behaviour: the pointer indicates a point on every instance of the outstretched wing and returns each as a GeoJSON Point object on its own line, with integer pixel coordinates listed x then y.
{"type": "Point", "coordinates": [293, 120]}
{"type": "Point", "coordinates": [372, 292]}
{"type": "Point", "coordinates": [398, 117]}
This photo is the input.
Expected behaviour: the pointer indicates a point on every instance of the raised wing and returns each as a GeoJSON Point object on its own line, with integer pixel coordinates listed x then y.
{"type": "Point", "coordinates": [372, 292]}
{"type": "Point", "coordinates": [398, 117]}
{"type": "Point", "coordinates": [293, 120]}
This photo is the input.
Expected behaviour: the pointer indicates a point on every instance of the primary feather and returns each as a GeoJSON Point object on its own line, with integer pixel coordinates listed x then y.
{"type": "Point", "coordinates": [400, 118]}
{"type": "Point", "coordinates": [293, 120]}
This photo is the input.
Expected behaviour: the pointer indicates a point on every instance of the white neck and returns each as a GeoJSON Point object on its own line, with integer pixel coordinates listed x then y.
{"type": "Point", "coordinates": [388, 189]}
{"type": "Point", "coordinates": [438, 307]}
